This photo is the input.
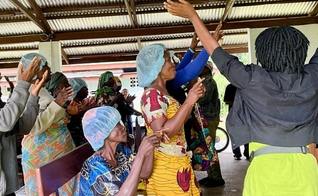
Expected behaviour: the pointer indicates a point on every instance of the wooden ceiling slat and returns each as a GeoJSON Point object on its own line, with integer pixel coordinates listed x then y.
{"type": "Point", "coordinates": [40, 16]}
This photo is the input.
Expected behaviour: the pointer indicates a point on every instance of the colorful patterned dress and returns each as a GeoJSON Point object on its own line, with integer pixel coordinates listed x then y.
{"type": "Point", "coordinates": [43, 148]}
{"type": "Point", "coordinates": [172, 171]}
{"type": "Point", "coordinates": [99, 178]}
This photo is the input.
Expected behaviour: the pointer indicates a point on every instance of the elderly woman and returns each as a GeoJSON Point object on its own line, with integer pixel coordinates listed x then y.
{"type": "Point", "coordinates": [112, 169]}
{"type": "Point", "coordinates": [80, 97]}
{"type": "Point", "coordinates": [172, 172]}
{"type": "Point", "coordinates": [49, 137]}
{"type": "Point", "coordinates": [8, 145]}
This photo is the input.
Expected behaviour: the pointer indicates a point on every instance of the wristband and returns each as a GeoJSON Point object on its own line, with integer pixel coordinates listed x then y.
{"type": "Point", "coordinates": [191, 51]}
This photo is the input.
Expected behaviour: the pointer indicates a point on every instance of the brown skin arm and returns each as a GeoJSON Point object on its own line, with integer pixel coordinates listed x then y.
{"type": "Point", "coordinates": [186, 10]}
{"type": "Point", "coordinates": [174, 124]}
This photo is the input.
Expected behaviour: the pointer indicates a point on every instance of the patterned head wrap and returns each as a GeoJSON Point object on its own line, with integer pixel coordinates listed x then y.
{"type": "Point", "coordinates": [77, 84]}
{"type": "Point", "coordinates": [102, 79]}
{"type": "Point", "coordinates": [98, 123]}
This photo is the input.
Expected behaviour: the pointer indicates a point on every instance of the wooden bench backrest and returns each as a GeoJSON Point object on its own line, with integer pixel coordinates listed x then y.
{"type": "Point", "coordinates": [55, 174]}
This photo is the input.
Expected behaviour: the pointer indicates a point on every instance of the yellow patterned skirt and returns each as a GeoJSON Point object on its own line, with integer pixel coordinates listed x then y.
{"type": "Point", "coordinates": [172, 175]}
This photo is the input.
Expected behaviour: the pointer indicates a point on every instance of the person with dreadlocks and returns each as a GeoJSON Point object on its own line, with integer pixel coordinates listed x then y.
{"type": "Point", "coordinates": [275, 108]}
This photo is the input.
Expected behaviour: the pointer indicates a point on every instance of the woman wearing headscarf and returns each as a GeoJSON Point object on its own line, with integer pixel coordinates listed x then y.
{"type": "Point", "coordinates": [80, 97]}
{"type": "Point", "coordinates": [275, 107]}
{"type": "Point", "coordinates": [172, 171]}
{"type": "Point", "coordinates": [49, 137]}
{"type": "Point", "coordinates": [8, 154]}
{"type": "Point", "coordinates": [112, 169]}
{"type": "Point", "coordinates": [107, 90]}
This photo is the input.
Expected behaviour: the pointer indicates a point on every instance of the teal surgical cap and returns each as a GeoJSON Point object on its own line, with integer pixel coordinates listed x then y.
{"type": "Point", "coordinates": [77, 84]}
{"type": "Point", "coordinates": [149, 63]}
{"type": "Point", "coordinates": [26, 60]}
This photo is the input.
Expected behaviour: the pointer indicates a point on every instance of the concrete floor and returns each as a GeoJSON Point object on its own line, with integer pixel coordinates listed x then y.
{"type": "Point", "coordinates": [233, 172]}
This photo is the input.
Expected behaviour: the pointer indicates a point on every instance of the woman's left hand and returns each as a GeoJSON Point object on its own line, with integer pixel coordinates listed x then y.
{"type": "Point", "coordinates": [182, 8]}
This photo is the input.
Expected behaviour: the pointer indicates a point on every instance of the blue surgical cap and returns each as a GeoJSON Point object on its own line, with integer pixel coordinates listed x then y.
{"type": "Point", "coordinates": [98, 123]}
{"type": "Point", "coordinates": [149, 63]}
{"type": "Point", "coordinates": [27, 58]}
{"type": "Point", "coordinates": [77, 84]}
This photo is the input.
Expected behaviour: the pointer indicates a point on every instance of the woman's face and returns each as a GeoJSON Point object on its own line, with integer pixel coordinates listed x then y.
{"type": "Point", "coordinates": [168, 70]}
{"type": "Point", "coordinates": [64, 84]}
{"type": "Point", "coordinates": [82, 94]}
{"type": "Point", "coordinates": [119, 133]}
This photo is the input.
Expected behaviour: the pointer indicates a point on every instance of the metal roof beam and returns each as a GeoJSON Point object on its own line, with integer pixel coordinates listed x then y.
{"type": "Point", "coordinates": [29, 14]}
{"type": "Point", "coordinates": [120, 56]}
{"type": "Point", "coordinates": [40, 16]}
{"type": "Point", "coordinates": [121, 8]}
{"type": "Point", "coordinates": [109, 33]}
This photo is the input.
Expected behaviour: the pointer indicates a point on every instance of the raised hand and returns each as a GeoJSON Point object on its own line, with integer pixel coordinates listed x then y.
{"type": "Point", "coordinates": [64, 96]}
{"type": "Point", "coordinates": [218, 34]}
{"type": "Point", "coordinates": [39, 84]}
{"type": "Point", "coordinates": [28, 74]}
{"type": "Point", "coordinates": [130, 98]}
{"type": "Point", "coordinates": [73, 108]}
{"type": "Point", "coordinates": [196, 92]}
{"type": "Point", "coordinates": [181, 8]}
{"type": "Point", "coordinates": [194, 42]}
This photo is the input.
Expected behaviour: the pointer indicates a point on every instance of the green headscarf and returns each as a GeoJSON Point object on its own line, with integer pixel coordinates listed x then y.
{"type": "Point", "coordinates": [104, 77]}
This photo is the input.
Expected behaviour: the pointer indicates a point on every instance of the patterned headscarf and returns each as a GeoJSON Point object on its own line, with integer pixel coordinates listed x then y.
{"type": "Point", "coordinates": [102, 79]}
{"type": "Point", "coordinates": [98, 123]}
{"type": "Point", "coordinates": [56, 79]}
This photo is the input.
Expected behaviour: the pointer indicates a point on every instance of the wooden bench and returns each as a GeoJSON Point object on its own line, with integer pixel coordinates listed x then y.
{"type": "Point", "coordinates": [51, 176]}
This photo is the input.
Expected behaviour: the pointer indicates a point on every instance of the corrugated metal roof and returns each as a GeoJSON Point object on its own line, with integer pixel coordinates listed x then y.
{"type": "Point", "coordinates": [150, 13]}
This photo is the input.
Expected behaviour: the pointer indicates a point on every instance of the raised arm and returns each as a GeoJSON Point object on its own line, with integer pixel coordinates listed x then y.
{"type": "Point", "coordinates": [13, 109]}
{"type": "Point", "coordinates": [154, 109]}
{"type": "Point", "coordinates": [192, 70]}
{"type": "Point", "coordinates": [189, 54]}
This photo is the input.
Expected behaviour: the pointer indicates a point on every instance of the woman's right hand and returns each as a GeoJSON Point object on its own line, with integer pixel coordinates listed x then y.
{"type": "Point", "coordinates": [196, 92]}
{"type": "Point", "coordinates": [28, 74]}
{"type": "Point", "coordinates": [148, 144]}
{"type": "Point", "coordinates": [64, 96]}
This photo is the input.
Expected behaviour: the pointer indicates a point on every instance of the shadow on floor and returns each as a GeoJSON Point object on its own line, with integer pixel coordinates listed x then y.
{"type": "Point", "coordinates": [233, 172]}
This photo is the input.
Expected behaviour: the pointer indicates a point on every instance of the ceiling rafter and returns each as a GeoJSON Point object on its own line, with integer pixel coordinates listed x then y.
{"type": "Point", "coordinates": [314, 12]}
{"type": "Point", "coordinates": [133, 18]}
{"type": "Point", "coordinates": [121, 9]}
{"type": "Point", "coordinates": [65, 57]}
{"type": "Point", "coordinates": [40, 16]}
{"type": "Point", "coordinates": [228, 9]}
{"type": "Point", "coordinates": [30, 15]}
{"type": "Point", "coordinates": [151, 31]}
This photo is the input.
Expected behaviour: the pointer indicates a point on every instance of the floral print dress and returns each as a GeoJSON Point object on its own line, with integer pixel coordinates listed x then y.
{"type": "Point", "coordinates": [43, 148]}
{"type": "Point", "coordinates": [172, 171]}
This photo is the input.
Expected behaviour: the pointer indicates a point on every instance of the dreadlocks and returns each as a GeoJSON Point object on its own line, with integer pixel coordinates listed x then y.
{"type": "Point", "coordinates": [282, 48]}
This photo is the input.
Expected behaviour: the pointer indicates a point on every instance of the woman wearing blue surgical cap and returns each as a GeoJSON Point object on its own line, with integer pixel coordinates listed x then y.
{"type": "Point", "coordinates": [112, 169]}
{"type": "Point", "coordinates": [80, 97]}
{"type": "Point", "coordinates": [8, 154]}
{"type": "Point", "coordinates": [172, 170]}
{"type": "Point", "coordinates": [49, 138]}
